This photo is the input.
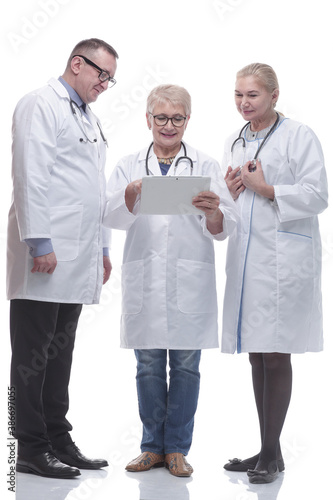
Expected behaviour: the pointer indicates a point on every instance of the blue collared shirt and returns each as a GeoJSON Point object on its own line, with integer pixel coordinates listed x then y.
{"type": "Point", "coordinates": [74, 96]}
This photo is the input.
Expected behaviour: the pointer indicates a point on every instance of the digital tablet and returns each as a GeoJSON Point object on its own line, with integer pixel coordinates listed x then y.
{"type": "Point", "coordinates": [171, 195]}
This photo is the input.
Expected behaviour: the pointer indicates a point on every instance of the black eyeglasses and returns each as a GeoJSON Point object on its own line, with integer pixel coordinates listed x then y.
{"type": "Point", "coordinates": [162, 120]}
{"type": "Point", "coordinates": [103, 75]}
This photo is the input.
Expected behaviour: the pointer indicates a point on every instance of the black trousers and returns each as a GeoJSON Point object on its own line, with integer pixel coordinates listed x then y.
{"type": "Point", "coordinates": [42, 340]}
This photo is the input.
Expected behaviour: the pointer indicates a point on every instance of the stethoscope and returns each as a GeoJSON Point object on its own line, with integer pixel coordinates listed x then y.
{"type": "Point", "coordinates": [185, 157]}
{"type": "Point", "coordinates": [78, 115]}
{"type": "Point", "coordinates": [241, 138]}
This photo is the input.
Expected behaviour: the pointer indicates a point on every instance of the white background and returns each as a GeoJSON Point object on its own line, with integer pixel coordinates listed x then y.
{"type": "Point", "coordinates": [199, 44]}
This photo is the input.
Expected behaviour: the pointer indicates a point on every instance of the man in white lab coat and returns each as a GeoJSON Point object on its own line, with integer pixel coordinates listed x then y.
{"type": "Point", "coordinates": [57, 251]}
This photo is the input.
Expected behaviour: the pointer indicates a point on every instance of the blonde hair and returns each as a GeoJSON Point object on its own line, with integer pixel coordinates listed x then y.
{"type": "Point", "coordinates": [263, 72]}
{"type": "Point", "coordinates": [172, 94]}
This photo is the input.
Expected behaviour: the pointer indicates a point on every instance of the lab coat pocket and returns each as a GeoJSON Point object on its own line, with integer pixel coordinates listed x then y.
{"type": "Point", "coordinates": [196, 287]}
{"type": "Point", "coordinates": [65, 231]}
{"type": "Point", "coordinates": [132, 287]}
{"type": "Point", "coordinates": [295, 257]}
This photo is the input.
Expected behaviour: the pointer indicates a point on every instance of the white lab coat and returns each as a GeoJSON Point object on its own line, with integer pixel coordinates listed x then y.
{"type": "Point", "coordinates": [59, 193]}
{"type": "Point", "coordinates": [273, 295]}
{"type": "Point", "coordinates": [168, 272]}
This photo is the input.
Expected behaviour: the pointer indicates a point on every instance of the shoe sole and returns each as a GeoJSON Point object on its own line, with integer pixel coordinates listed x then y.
{"type": "Point", "coordinates": [260, 479]}
{"type": "Point", "coordinates": [189, 474]}
{"type": "Point", "coordinates": [155, 466]}
{"type": "Point", "coordinates": [86, 467]}
{"type": "Point", "coordinates": [28, 470]}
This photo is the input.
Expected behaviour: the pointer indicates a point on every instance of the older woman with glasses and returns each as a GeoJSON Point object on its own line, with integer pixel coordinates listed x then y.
{"type": "Point", "coordinates": [169, 310]}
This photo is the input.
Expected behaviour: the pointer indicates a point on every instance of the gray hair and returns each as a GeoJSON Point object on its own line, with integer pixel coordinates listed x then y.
{"type": "Point", "coordinates": [172, 94]}
{"type": "Point", "coordinates": [89, 47]}
{"type": "Point", "coordinates": [263, 72]}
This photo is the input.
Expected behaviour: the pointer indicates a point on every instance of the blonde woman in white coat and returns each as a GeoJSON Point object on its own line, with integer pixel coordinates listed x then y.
{"type": "Point", "coordinates": [169, 307]}
{"type": "Point", "coordinates": [272, 304]}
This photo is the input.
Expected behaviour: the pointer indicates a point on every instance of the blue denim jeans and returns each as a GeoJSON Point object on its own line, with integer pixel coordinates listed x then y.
{"type": "Point", "coordinates": [167, 410]}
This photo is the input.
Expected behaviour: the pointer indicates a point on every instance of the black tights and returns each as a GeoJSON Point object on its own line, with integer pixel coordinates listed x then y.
{"type": "Point", "coordinates": [272, 382]}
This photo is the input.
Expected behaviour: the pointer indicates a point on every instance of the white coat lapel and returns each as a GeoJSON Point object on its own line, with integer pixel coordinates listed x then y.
{"type": "Point", "coordinates": [153, 166]}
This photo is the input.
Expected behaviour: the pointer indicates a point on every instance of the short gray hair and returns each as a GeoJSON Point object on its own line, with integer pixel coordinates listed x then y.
{"type": "Point", "coordinates": [172, 94]}
{"type": "Point", "coordinates": [89, 47]}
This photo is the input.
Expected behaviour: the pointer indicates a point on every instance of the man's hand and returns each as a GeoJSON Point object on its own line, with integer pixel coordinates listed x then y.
{"type": "Point", "coordinates": [45, 263]}
{"type": "Point", "coordinates": [107, 268]}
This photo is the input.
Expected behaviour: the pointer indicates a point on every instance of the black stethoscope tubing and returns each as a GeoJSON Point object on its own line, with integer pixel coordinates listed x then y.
{"type": "Point", "coordinates": [185, 157]}
{"type": "Point", "coordinates": [269, 133]}
{"type": "Point", "coordinates": [81, 125]}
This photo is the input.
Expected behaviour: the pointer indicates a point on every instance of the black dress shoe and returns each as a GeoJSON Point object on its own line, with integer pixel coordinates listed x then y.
{"type": "Point", "coordinates": [71, 455]}
{"type": "Point", "coordinates": [47, 465]}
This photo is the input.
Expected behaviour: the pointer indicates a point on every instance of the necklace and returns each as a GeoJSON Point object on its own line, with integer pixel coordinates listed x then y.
{"type": "Point", "coordinates": [166, 161]}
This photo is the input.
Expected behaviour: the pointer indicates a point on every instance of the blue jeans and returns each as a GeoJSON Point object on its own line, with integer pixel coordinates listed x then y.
{"type": "Point", "coordinates": [167, 412]}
